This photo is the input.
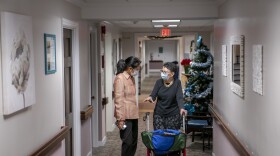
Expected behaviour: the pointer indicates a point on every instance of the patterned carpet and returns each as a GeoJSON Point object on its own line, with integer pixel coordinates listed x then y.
{"type": "Point", "coordinates": [113, 143]}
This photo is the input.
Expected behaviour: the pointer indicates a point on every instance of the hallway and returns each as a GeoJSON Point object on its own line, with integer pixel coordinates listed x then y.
{"type": "Point", "coordinates": [58, 63]}
{"type": "Point", "coordinates": [113, 143]}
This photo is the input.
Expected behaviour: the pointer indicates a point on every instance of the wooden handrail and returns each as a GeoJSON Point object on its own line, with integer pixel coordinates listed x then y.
{"type": "Point", "coordinates": [230, 135]}
{"type": "Point", "coordinates": [47, 147]}
{"type": "Point", "coordinates": [86, 113]}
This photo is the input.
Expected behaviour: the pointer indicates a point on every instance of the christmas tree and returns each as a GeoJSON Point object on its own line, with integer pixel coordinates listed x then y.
{"type": "Point", "coordinates": [199, 88]}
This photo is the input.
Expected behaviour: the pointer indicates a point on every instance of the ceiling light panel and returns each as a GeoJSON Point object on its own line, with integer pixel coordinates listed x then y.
{"type": "Point", "coordinates": [159, 21]}
{"type": "Point", "coordinates": [172, 26]}
{"type": "Point", "coordinates": [158, 26]}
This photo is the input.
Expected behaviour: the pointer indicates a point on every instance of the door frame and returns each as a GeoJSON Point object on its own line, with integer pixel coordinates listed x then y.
{"type": "Point", "coordinates": [93, 59]}
{"type": "Point", "coordinates": [109, 79]}
{"type": "Point", "coordinates": [68, 24]}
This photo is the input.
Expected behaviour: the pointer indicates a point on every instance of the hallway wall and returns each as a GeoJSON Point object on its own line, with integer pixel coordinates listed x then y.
{"type": "Point", "coordinates": [111, 34]}
{"type": "Point", "coordinates": [85, 90]}
{"type": "Point", "coordinates": [128, 45]}
{"type": "Point", "coordinates": [169, 52]}
{"type": "Point", "coordinates": [28, 129]}
{"type": "Point", "coordinates": [254, 118]}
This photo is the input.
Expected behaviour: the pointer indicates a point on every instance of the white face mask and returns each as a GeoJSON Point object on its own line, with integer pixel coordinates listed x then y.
{"type": "Point", "coordinates": [135, 73]}
{"type": "Point", "coordinates": [164, 76]}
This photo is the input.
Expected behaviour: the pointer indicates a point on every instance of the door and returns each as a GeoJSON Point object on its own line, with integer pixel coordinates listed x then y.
{"type": "Point", "coordinates": [94, 87]}
{"type": "Point", "coordinates": [68, 89]}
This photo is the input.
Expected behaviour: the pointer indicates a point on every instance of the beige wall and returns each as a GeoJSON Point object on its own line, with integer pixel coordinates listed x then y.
{"type": "Point", "coordinates": [85, 91]}
{"type": "Point", "coordinates": [254, 118]}
{"type": "Point", "coordinates": [26, 130]}
{"type": "Point", "coordinates": [168, 54]}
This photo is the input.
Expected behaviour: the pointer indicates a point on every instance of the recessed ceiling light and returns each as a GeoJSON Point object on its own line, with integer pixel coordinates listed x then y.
{"type": "Point", "coordinates": [154, 21]}
{"type": "Point", "coordinates": [158, 26]}
{"type": "Point", "coordinates": [173, 26]}
{"type": "Point", "coordinates": [107, 22]}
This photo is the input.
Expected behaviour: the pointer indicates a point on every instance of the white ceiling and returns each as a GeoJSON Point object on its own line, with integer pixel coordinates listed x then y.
{"type": "Point", "coordinates": [137, 14]}
{"type": "Point", "coordinates": [151, 1]}
{"type": "Point", "coordinates": [148, 23]}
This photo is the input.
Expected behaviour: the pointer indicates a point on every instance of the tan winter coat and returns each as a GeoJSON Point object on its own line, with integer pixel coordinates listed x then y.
{"type": "Point", "coordinates": [125, 97]}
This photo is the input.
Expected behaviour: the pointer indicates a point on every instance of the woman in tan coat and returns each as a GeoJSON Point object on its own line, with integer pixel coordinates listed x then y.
{"type": "Point", "coordinates": [126, 109]}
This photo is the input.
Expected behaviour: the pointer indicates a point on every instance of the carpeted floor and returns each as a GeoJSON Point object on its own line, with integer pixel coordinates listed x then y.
{"type": "Point", "coordinates": [113, 143]}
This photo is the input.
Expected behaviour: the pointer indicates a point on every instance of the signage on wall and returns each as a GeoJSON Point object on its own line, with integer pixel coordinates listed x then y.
{"type": "Point", "coordinates": [165, 32]}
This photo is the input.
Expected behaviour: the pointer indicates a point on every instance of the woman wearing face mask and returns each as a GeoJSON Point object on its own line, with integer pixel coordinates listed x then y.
{"type": "Point", "coordinates": [168, 95]}
{"type": "Point", "coordinates": [126, 109]}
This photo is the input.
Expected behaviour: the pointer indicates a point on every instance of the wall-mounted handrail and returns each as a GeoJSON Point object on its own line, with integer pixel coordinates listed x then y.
{"type": "Point", "coordinates": [230, 135]}
{"type": "Point", "coordinates": [48, 146]}
{"type": "Point", "coordinates": [86, 113]}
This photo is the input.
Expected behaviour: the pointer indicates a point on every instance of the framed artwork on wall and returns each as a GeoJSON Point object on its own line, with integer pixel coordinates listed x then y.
{"type": "Point", "coordinates": [237, 63]}
{"type": "Point", "coordinates": [258, 69]}
{"type": "Point", "coordinates": [50, 53]}
{"type": "Point", "coordinates": [17, 62]}
{"type": "Point", "coordinates": [115, 56]}
{"type": "Point", "coordinates": [224, 60]}
{"type": "Point", "coordinates": [160, 49]}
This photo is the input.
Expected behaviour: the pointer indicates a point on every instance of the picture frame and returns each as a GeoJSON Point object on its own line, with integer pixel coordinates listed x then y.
{"type": "Point", "coordinates": [257, 64]}
{"type": "Point", "coordinates": [50, 53]}
{"type": "Point", "coordinates": [160, 49]}
{"type": "Point", "coordinates": [237, 64]}
{"type": "Point", "coordinates": [17, 59]}
{"type": "Point", "coordinates": [224, 60]}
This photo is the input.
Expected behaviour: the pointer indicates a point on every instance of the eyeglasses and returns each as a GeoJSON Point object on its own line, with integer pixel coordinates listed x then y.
{"type": "Point", "coordinates": [164, 72]}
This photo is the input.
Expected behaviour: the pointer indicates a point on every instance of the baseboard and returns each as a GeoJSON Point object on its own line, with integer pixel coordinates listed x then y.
{"type": "Point", "coordinates": [89, 153]}
{"type": "Point", "coordinates": [100, 143]}
{"type": "Point", "coordinates": [110, 128]}
{"type": "Point", "coordinates": [104, 140]}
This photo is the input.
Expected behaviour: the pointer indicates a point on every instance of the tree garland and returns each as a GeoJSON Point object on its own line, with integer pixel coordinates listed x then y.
{"type": "Point", "coordinates": [203, 94]}
{"type": "Point", "coordinates": [205, 65]}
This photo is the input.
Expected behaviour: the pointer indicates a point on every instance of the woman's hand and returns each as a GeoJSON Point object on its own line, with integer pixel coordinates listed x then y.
{"type": "Point", "coordinates": [149, 99]}
{"type": "Point", "coordinates": [183, 112]}
{"type": "Point", "coordinates": [120, 124]}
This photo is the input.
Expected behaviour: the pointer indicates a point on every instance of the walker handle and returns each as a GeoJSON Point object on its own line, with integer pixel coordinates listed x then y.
{"type": "Point", "coordinates": [184, 123]}
{"type": "Point", "coordinates": [147, 119]}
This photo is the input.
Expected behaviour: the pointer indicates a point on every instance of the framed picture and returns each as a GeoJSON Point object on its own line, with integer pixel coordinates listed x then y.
{"type": "Point", "coordinates": [17, 62]}
{"type": "Point", "coordinates": [258, 69]}
{"type": "Point", "coordinates": [160, 49]}
{"type": "Point", "coordinates": [224, 59]}
{"type": "Point", "coordinates": [50, 53]}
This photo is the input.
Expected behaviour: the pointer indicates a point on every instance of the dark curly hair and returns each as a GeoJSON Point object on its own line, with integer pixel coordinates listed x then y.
{"type": "Point", "coordinates": [129, 62]}
{"type": "Point", "coordinates": [170, 66]}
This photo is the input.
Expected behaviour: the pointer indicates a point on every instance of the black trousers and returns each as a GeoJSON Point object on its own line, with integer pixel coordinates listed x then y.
{"type": "Point", "coordinates": [129, 137]}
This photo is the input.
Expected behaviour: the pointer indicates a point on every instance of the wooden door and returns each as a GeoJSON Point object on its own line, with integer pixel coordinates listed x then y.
{"type": "Point", "coordinates": [68, 89]}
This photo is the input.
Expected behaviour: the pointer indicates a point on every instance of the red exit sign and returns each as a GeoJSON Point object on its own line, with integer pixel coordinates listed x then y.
{"type": "Point", "coordinates": [165, 32]}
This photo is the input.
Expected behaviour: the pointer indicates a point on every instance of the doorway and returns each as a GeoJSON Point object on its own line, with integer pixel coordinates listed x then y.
{"type": "Point", "coordinates": [71, 80]}
{"type": "Point", "coordinates": [68, 90]}
{"type": "Point", "coordinates": [94, 86]}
